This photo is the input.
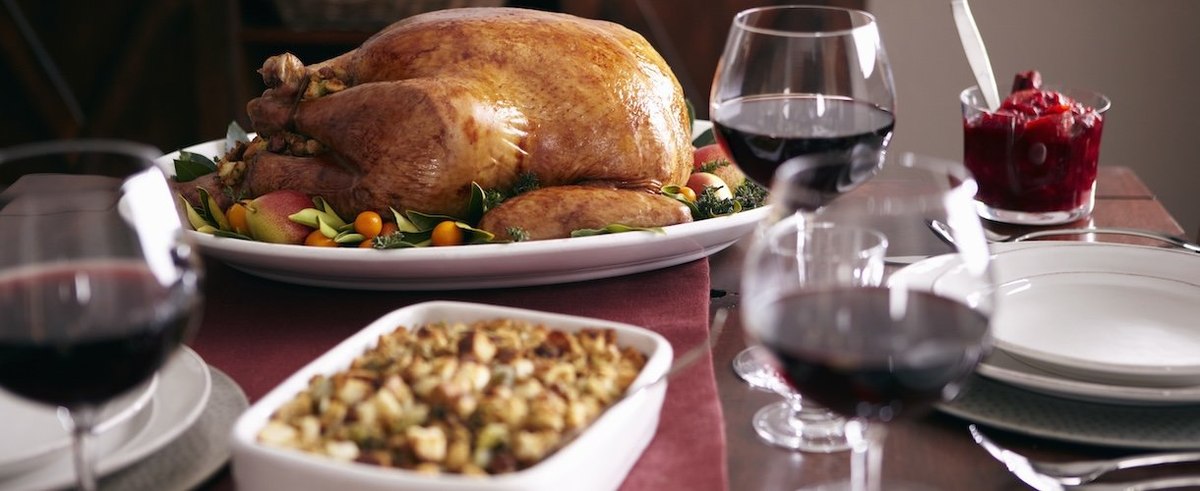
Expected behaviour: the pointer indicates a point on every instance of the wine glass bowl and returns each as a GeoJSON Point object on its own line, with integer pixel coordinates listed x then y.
{"type": "Point", "coordinates": [806, 84]}
{"type": "Point", "coordinates": [98, 285]}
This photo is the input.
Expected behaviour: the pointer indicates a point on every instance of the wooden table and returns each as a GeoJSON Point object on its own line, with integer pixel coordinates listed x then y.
{"type": "Point", "coordinates": [935, 450]}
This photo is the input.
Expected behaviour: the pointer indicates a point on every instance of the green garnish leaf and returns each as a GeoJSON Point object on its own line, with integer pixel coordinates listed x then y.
{"type": "Point", "coordinates": [479, 203]}
{"type": "Point", "coordinates": [327, 212]}
{"type": "Point", "coordinates": [713, 165]}
{"type": "Point", "coordinates": [475, 235]}
{"type": "Point", "coordinates": [190, 166]}
{"type": "Point", "coordinates": [518, 234]}
{"type": "Point", "coordinates": [750, 194]}
{"type": "Point", "coordinates": [392, 241]}
{"type": "Point", "coordinates": [614, 228]}
{"type": "Point", "coordinates": [193, 216]}
{"type": "Point", "coordinates": [327, 229]}
{"type": "Point", "coordinates": [402, 222]}
{"type": "Point", "coordinates": [526, 182]}
{"type": "Point", "coordinates": [349, 238]}
{"type": "Point", "coordinates": [234, 195]}
{"type": "Point", "coordinates": [425, 222]}
{"type": "Point", "coordinates": [709, 205]}
{"type": "Point", "coordinates": [705, 138]}
{"type": "Point", "coordinates": [210, 211]}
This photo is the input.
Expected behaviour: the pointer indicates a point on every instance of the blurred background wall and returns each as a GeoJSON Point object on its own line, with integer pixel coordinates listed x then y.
{"type": "Point", "coordinates": [176, 72]}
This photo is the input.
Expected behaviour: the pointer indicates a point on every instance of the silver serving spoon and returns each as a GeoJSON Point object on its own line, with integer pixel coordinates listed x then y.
{"type": "Point", "coordinates": [976, 53]}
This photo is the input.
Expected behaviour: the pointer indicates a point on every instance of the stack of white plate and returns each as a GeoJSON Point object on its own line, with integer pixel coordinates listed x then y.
{"type": "Point", "coordinates": [35, 450]}
{"type": "Point", "coordinates": [1108, 324]}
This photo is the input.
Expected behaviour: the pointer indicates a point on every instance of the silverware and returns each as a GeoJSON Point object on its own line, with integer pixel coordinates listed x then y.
{"type": "Point", "coordinates": [943, 232]}
{"type": "Point", "coordinates": [1046, 476]}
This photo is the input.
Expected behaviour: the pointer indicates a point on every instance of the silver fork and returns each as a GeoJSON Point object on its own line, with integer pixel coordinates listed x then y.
{"type": "Point", "coordinates": [1047, 476]}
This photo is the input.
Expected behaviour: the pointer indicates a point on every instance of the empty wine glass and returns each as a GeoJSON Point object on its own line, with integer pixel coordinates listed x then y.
{"type": "Point", "coordinates": [97, 284]}
{"type": "Point", "coordinates": [807, 85]}
{"type": "Point", "coordinates": [876, 353]}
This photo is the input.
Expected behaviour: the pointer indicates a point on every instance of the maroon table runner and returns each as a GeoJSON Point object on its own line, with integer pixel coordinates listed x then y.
{"type": "Point", "coordinates": [260, 331]}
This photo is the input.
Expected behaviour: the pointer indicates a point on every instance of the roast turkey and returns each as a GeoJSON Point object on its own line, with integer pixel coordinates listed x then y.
{"type": "Point", "coordinates": [434, 102]}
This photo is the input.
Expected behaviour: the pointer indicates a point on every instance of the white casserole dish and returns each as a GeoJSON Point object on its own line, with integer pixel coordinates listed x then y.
{"type": "Point", "coordinates": [599, 459]}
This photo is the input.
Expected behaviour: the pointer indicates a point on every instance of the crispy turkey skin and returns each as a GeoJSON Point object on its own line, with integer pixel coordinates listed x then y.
{"type": "Point", "coordinates": [437, 101]}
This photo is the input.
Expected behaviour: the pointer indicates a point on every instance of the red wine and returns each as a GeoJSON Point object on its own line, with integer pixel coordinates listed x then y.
{"type": "Point", "coordinates": [81, 333]}
{"type": "Point", "coordinates": [861, 355]}
{"type": "Point", "coordinates": [837, 142]}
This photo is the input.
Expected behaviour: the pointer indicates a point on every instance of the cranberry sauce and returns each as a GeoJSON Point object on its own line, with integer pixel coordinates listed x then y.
{"type": "Point", "coordinates": [1037, 153]}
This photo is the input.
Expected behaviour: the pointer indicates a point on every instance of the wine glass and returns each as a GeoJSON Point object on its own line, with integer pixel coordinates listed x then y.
{"type": "Point", "coordinates": [97, 283]}
{"type": "Point", "coordinates": [876, 353]}
{"type": "Point", "coordinates": [811, 86]}
{"type": "Point", "coordinates": [827, 254]}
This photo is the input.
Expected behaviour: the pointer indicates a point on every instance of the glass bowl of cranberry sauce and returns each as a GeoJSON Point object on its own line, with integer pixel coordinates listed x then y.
{"type": "Point", "coordinates": [1035, 157]}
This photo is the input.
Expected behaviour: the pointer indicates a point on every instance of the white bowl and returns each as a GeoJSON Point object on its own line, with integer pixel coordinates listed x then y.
{"type": "Point", "coordinates": [599, 458]}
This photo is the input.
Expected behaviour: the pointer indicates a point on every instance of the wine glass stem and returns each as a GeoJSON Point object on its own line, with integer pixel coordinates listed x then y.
{"type": "Point", "coordinates": [866, 464]}
{"type": "Point", "coordinates": [81, 421]}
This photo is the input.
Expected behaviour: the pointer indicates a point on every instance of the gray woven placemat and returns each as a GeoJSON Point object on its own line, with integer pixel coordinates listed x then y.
{"type": "Point", "coordinates": [1011, 408]}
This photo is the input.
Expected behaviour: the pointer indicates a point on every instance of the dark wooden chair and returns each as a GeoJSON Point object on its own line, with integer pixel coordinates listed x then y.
{"type": "Point", "coordinates": [154, 71]}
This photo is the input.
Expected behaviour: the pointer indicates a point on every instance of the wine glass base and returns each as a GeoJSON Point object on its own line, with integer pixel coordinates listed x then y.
{"type": "Point", "coordinates": [809, 431]}
{"type": "Point", "coordinates": [751, 365]}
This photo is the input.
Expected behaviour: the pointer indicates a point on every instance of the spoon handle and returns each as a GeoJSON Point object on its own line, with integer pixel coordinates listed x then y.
{"type": "Point", "coordinates": [976, 53]}
{"type": "Point", "coordinates": [1149, 234]}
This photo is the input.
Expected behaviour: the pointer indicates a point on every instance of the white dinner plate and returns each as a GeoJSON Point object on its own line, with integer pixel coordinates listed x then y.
{"type": "Point", "coordinates": [33, 433]}
{"type": "Point", "coordinates": [1102, 322]}
{"type": "Point", "coordinates": [180, 395]}
{"type": "Point", "coordinates": [1107, 313]}
{"type": "Point", "coordinates": [476, 266]}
